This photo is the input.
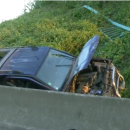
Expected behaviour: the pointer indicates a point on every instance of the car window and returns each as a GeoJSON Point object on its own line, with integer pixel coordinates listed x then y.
{"type": "Point", "coordinates": [55, 68]}
{"type": "Point", "coordinates": [2, 54]}
{"type": "Point", "coordinates": [5, 54]}
{"type": "Point", "coordinates": [24, 83]}
{"type": "Point", "coordinates": [25, 60]}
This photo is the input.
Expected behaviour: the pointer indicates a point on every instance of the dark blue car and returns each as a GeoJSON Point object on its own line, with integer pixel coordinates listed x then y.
{"type": "Point", "coordinates": [50, 69]}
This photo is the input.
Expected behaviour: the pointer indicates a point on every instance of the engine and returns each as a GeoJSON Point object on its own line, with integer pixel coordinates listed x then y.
{"type": "Point", "coordinates": [100, 78]}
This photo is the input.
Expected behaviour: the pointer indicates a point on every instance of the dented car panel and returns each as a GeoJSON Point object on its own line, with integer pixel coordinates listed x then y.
{"type": "Point", "coordinates": [46, 68]}
{"type": "Point", "coordinates": [86, 55]}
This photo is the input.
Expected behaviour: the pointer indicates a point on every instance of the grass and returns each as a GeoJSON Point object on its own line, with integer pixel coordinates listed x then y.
{"type": "Point", "coordinates": [67, 26]}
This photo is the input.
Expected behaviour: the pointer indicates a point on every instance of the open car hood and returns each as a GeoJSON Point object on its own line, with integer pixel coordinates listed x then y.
{"type": "Point", "coordinates": [86, 55]}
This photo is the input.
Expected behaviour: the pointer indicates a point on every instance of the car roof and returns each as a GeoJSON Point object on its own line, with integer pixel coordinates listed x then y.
{"type": "Point", "coordinates": [26, 60]}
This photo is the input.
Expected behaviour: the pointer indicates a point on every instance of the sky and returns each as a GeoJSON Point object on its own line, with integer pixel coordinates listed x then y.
{"type": "Point", "coordinates": [10, 9]}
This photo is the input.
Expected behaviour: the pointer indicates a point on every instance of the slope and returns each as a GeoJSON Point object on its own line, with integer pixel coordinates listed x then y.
{"type": "Point", "coordinates": [66, 25]}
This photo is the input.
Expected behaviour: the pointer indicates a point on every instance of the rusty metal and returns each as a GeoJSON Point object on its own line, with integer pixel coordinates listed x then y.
{"type": "Point", "coordinates": [72, 90]}
{"type": "Point", "coordinates": [86, 89]}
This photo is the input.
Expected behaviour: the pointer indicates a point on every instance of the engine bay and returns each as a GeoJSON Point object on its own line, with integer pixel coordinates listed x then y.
{"type": "Point", "coordinates": [100, 78]}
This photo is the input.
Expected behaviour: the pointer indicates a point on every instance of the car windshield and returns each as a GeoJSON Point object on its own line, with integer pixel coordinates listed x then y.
{"type": "Point", "coordinates": [55, 68]}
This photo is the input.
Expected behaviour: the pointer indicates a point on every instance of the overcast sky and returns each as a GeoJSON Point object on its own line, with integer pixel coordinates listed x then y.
{"type": "Point", "coordinates": [10, 9]}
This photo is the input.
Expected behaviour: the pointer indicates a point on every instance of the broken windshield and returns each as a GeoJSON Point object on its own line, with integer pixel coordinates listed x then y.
{"type": "Point", "coordinates": [55, 68]}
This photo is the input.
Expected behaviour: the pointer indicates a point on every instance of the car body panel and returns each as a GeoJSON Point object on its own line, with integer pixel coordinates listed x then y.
{"type": "Point", "coordinates": [84, 58]}
{"type": "Point", "coordinates": [86, 55]}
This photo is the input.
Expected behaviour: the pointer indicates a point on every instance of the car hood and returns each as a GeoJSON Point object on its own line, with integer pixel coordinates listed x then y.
{"type": "Point", "coordinates": [85, 55]}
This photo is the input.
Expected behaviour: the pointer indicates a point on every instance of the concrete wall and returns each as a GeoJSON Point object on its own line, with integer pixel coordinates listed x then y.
{"type": "Point", "coordinates": [47, 110]}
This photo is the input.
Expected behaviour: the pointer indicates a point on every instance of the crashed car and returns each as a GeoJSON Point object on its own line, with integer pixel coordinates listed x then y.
{"type": "Point", "coordinates": [50, 69]}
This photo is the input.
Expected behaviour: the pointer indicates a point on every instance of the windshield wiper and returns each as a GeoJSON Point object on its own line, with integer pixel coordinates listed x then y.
{"type": "Point", "coordinates": [67, 57]}
{"type": "Point", "coordinates": [63, 65]}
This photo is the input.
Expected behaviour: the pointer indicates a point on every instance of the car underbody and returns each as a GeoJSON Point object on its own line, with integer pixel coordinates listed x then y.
{"type": "Point", "coordinates": [100, 78]}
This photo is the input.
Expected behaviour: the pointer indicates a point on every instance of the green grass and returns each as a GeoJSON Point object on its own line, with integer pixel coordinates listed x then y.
{"type": "Point", "coordinates": [68, 26]}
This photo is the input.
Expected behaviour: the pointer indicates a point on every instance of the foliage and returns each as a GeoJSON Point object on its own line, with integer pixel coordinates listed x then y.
{"type": "Point", "coordinates": [66, 25]}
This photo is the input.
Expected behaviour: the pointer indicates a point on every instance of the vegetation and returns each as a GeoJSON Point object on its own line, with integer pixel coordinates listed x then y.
{"type": "Point", "coordinates": [66, 25]}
